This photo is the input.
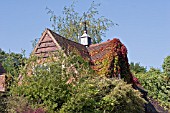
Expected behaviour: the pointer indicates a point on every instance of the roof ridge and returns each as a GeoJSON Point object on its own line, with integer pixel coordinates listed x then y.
{"type": "Point", "coordinates": [93, 45]}
{"type": "Point", "coordinates": [64, 37]}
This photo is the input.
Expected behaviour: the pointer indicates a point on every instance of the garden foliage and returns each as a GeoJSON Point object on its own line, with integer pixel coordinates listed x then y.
{"type": "Point", "coordinates": [137, 68]}
{"type": "Point", "coordinates": [103, 95]}
{"type": "Point", "coordinates": [166, 66]}
{"type": "Point", "coordinates": [68, 85]}
{"type": "Point", "coordinates": [11, 63]}
{"type": "Point", "coordinates": [157, 84]}
{"type": "Point", "coordinates": [2, 102]}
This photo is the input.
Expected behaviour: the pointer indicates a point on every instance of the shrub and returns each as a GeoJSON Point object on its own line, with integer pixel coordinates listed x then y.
{"type": "Point", "coordinates": [49, 85]}
{"type": "Point", "coordinates": [19, 104]}
{"type": "Point", "coordinates": [102, 95]}
{"type": "Point", "coordinates": [2, 102]}
{"type": "Point", "coordinates": [166, 66]}
{"type": "Point", "coordinates": [68, 85]}
{"type": "Point", "coordinates": [157, 85]}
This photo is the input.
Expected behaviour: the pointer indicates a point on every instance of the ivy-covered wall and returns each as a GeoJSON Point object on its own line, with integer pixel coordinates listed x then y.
{"type": "Point", "coordinates": [110, 59]}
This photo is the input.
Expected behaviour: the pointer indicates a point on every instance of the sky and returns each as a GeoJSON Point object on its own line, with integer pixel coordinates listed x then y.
{"type": "Point", "coordinates": [144, 25]}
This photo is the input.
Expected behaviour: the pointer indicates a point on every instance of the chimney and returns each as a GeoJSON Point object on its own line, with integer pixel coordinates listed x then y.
{"type": "Point", "coordinates": [85, 38]}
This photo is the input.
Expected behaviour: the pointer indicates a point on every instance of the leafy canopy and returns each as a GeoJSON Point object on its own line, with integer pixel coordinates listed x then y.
{"type": "Point", "coordinates": [166, 66]}
{"type": "Point", "coordinates": [70, 24]}
{"type": "Point", "coordinates": [137, 68]}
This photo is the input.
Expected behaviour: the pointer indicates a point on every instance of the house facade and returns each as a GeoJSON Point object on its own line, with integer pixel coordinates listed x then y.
{"type": "Point", "coordinates": [108, 58]}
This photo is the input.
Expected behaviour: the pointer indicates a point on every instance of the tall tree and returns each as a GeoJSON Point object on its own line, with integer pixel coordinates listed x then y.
{"type": "Point", "coordinates": [70, 24]}
{"type": "Point", "coordinates": [137, 68]}
{"type": "Point", "coordinates": [166, 66]}
{"type": "Point", "coordinates": [11, 63]}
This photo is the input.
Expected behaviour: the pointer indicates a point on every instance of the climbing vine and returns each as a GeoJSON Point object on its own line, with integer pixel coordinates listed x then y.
{"type": "Point", "coordinates": [113, 62]}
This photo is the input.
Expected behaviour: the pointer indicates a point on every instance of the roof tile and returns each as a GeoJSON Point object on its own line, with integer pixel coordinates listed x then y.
{"type": "Point", "coordinates": [69, 45]}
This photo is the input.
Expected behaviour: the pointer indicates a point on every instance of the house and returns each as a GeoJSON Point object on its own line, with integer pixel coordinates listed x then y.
{"type": "Point", "coordinates": [108, 58]}
{"type": "Point", "coordinates": [2, 78]}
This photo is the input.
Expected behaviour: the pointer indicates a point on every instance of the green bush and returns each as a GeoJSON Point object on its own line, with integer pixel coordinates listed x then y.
{"type": "Point", "coordinates": [103, 95]}
{"type": "Point", "coordinates": [11, 63]}
{"type": "Point", "coordinates": [157, 85]}
{"type": "Point", "coordinates": [68, 85]}
{"type": "Point", "coordinates": [19, 104]}
{"type": "Point", "coordinates": [48, 85]}
{"type": "Point", "coordinates": [166, 66]}
{"type": "Point", "coordinates": [2, 102]}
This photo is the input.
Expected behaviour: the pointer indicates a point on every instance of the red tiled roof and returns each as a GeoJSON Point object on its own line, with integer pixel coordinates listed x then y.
{"type": "Point", "coordinates": [97, 51]}
{"type": "Point", "coordinates": [69, 45]}
{"type": "Point", "coordinates": [114, 46]}
{"type": "Point", "coordinates": [103, 57]}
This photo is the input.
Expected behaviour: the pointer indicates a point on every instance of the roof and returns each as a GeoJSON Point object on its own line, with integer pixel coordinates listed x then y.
{"type": "Point", "coordinates": [58, 42]}
{"type": "Point", "coordinates": [98, 51]}
{"type": "Point", "coordinates": [101, 56]}
{"type": "Point", "coordinates": [107, 58]}
{"type": "Point", "coordinates": [2, 70]}
{"type": "Point", "coordinates": [69, 45]}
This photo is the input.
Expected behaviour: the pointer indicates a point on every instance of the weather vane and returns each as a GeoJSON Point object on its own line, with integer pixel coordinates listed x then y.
{"type": "Point", "coordinates": [85, 26]}
{"type": "Point", "coordinates": [85, 23]}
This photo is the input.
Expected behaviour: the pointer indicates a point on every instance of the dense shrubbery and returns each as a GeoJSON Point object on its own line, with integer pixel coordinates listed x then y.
{"type": "Point", "coordinates": [2, 102]}
{"type": "Point", "coordinates": [19, 104]}
{"type": "Point", "coordinates": [157, 84]}
{"type": "Point", "coordinates": [102, 95]}
{"type": "Point", "coordinates": [68, 85]}
{"type": "Point", "coordinates": [11, 62]}
{"type": "Point", "coordinates": [166, 66]}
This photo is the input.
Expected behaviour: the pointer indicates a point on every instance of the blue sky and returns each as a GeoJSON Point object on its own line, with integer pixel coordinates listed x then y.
{"type": "Point", "coordinates": [144, 25]}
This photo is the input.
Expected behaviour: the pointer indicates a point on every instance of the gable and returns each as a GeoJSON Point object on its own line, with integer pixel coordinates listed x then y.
{"type": "Point", "coordinates": [51, 42]}
{"type": "Point", "coordinates": [46, 45]}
